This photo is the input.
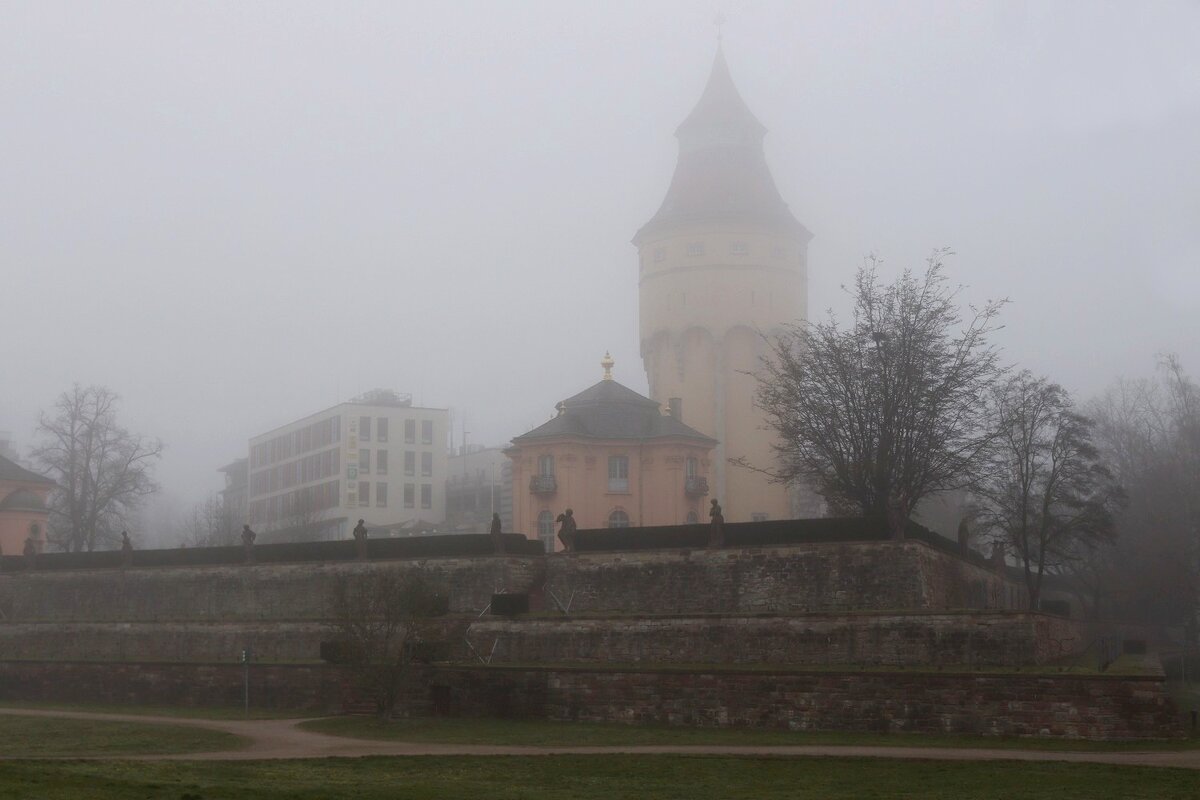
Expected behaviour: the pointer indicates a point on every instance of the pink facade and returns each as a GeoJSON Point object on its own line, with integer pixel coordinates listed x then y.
{"type": "Point", "coordinates": [23, 514]}
{"type": "Point", "coordinates": [614, 458]}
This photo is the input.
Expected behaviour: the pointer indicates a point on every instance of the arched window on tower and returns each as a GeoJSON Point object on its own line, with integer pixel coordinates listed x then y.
{"type": "Point", "coordinates": [618, 519]}
{"type": "Point", "coordinates": [546, 530]}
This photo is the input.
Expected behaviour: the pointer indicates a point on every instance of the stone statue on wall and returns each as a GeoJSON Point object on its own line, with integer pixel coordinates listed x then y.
{"type": "Point", "coordinates": [897, 514]}
{"type": "Point", "coordinates": [126, 549]}
{"type": "Point", "coordinates": [360, 538]}
{"type": "Point", "coordinates": [716, 528]}
{"type": "Point", "coordinates": [30, 552]}
{"type": "Point", "coordinates": [248, 537]}
{"type": "Point", "coordinates": [497, 535]}
{"type": "Point", "coordinates": [997, 557]}
{"type": "Point", "coordinates": [566, 530]}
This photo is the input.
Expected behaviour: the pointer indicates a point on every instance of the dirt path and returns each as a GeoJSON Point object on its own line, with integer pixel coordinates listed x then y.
{"type": "Point", "coordinates": [282, 738]}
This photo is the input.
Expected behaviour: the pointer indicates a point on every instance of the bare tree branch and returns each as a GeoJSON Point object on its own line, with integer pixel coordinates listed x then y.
{"type": "Point", "coordinates": [102, 470]}
{"type": "Point", "coordinates": [876, 415]}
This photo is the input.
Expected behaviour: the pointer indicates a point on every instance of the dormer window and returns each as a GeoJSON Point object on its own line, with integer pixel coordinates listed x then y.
{"type": "Point", "coordinates": [738, 248]}
{"type": "Point", "coordinates": [660, 255]}
{"type": "Point", "coordinates": [695, 248]}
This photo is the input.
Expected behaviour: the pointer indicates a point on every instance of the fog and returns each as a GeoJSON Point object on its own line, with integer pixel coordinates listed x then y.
{"type": "Point", "coordinates": [238, 214]}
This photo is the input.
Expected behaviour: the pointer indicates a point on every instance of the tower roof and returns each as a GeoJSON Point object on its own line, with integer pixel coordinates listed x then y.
{"type": "Point", "coordinates": [722, 171]}
{"type": "Point", "coordinates": [721, 109]}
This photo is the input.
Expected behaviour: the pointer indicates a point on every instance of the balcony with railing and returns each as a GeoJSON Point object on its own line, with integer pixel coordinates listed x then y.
{"type": "Point", "coordinates": [695, 485]}
{"type": "Point", "coordinates": [543, 484]}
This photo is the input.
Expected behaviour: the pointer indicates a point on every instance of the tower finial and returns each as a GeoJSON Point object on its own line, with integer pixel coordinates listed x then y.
{"type": "Point", "coordinates": [720, 21]}
{"type": "Point", "coordinates": [607, 362]}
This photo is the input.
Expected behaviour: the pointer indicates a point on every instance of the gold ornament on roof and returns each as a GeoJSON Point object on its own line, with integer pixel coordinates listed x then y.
{"type": "Point", "coordinates": [607, 362]}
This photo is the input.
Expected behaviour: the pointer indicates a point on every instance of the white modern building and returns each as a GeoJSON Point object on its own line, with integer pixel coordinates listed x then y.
{"type": "Point", "coordinates": [377, 458]}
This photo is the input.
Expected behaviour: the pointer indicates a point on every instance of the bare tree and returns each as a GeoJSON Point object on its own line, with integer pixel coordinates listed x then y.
{"type": "Point", "coordinates": [878, 415]}
{"type": "Point", "coordinates": [1150, 431]}
{"type": "Point", "coordinates": [103, 471]}
{"type": "Point", "coordinates": [302, 520]}
{"type": "Point", "coordinates": [380, 618]}
{"type": "Point", "coordinates": [210, 524]}
{"type": "Point", "coordinates": [1046, 493]}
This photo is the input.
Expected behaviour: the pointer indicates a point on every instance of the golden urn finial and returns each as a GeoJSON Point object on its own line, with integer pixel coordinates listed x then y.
{"type": "Point", "coordinates": [607, 362]}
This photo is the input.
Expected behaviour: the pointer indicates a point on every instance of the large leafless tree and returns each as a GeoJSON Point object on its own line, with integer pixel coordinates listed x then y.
{"type": "Point", "coordinates": [1150, 432]}
{"type": "Point", "coordinates": [103, 471]}
{"type": "Point", "coordinates": [380, 617]}
{"type": "Point", "coordinates": [877, 414]}
{"type": "Point", "coordinates": [1045, 491]}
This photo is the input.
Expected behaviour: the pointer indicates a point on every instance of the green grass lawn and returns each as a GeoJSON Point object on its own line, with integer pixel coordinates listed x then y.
{"type": "Point", "coordinates": [41, 737]}
{"type": "Point", "coordinates": [585, 778]}
{"type": "Point", "coordinates": [214, 712]}
{"type": "Point", "coordinates": [565, 734]}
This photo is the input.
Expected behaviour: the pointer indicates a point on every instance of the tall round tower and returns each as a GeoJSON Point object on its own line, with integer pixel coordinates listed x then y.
{"type": "Point", "coordinates": [722, 260]}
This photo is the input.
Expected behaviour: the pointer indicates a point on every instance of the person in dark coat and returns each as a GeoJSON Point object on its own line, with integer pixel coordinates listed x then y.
{"type": "Point", "coordinates": [497, 535]}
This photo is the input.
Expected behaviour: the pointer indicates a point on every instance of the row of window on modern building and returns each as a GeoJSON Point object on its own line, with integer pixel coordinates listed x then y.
{"type": "Point", "coordinates": [327, 464]}
{"type": "Point", "coordinates": [326, 432]}
{"type": "Point", "coordinates": [315, 499]}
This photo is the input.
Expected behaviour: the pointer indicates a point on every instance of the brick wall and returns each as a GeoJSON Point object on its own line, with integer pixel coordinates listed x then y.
{"type": "Point", "coordinates": [963, 639]}
{"type": "Point", "coordinates": [1059, 706]}
{"type": "Point", "coordinates": [933, 638]}
{"type": "Point", "coordinates": [778, 579]}
{"type": "Point", "coordinates": [793, 579]}
{"type": "Point", "coordinates": [245, 593]}
{"type": "Point", "coordinates": [164, 641]}
{"type": "Point", "coordinates": [1062, 706]}
{"type": "Point", "coordinates": [309, 687]}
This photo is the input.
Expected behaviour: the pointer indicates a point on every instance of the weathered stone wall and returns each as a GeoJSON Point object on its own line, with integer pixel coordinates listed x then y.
{"type": "Point", "coordinates": [1060, 706]}
{"type": "Point", "coordinates": [164, 641]}
{"type": "Point", "coordinates": [308, 687]}
{"type": "Point", "coordinates": [929, 638]}
{"type": "Point", "coordinates": [950, 582]}
{"type": "Point", "coordinates": [961, 639]}
{"type": "Point", "coordinates": [275, 592]}
{"type": "Point", "coordinates": [792, 579]}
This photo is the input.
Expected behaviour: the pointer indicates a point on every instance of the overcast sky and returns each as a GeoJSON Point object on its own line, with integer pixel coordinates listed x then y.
{"type": "Point", "coordinates": [238, 214]}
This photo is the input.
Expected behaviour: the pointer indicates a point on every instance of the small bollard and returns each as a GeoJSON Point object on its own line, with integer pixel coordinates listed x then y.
{"type": "Point", "coordinates": [1195, 713]}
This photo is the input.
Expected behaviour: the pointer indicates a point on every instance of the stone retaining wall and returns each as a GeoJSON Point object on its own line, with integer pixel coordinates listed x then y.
{"type": "Point", "coordinates": [164, 641]}
{"type": "Point", "coordinates": [793, 579]}
{"type": "Point", "coordinates": [966, 638]}
{"type": "Point", "coordinates": [301, 687]}
{"type": "Point", "coordinates": [247, 593]}
{"type": "Point", "coordinates": [1058, 706]}
{"type": "Point", "coordinates": [974, 639]}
